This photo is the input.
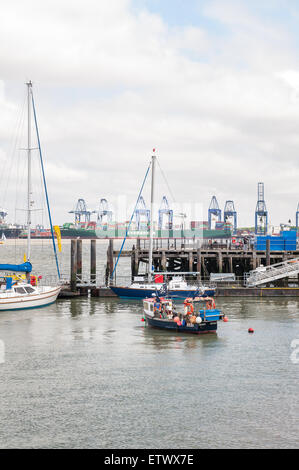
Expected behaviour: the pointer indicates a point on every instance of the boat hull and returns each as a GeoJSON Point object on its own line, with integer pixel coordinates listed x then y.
{"type": "Point", "coordinates": [128, 293]}
{"type": "Point", "coordinates": [30, 301]}
{"type": "Point", "coordinates": [202, 328]}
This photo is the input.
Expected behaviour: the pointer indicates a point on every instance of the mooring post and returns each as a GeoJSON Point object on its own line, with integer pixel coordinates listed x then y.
{"type": "Point", "coordinates": [73, 265]}
{"type": "Point", "coordinates": [110, 259]}
{"type": "Point", "coordinates": [79, 260]}
{"type": "Point", "coordinates": [198, 264]}
{"type": "Point", "coordinates": [268, 262]}
{"type": "Point", "coordinates": [93, 264]}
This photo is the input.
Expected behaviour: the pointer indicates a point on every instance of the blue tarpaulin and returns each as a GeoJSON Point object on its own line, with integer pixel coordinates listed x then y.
{"type": "Point", "coordinates": [18, 268]}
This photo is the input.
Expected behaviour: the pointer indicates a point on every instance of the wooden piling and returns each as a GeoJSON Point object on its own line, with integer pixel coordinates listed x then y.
{"type": "Point", "coordinates": [109, 266]}
{"type": "Point", "coordinates": [93, 264]}
{"type": "Point", "coordinates": [73, 265]}
{"type": "Point", "coordinates": [268, 261]}
{"type": "Point", "coordinates": [79, 260]}
{"type": "Point", "coordinates": [198, 266]}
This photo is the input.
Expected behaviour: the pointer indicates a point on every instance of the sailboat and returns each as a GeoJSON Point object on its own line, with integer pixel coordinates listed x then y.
{"type": "Point", "coordinates": [2, 239]}
{"type": "Point", "coordinates": [19, 290]}
{"type": "Point", "coordinates": [177, 286]}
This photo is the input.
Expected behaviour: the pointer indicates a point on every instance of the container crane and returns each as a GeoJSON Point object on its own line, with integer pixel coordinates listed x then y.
{"type": "Point", "coordinates": [165, 210]}
{"type": "Point", "coordinates": [214, 213]}
{"type": "Point", "coordinates": [141, 212]}
{"type": "Point", "coordinates": [81, 212]}
{"type": "Point", "coordinates": [261, 213]}
{"type": "Point", "coordinates": [230, 214]}
{"type": "Point", "coordinates": [104, 212]}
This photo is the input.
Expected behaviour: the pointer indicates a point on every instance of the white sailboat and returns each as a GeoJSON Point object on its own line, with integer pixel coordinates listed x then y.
{"type": "Point", "coordinates": [19, 290]}
{"type": "Point", "coordinates": [2, 239]}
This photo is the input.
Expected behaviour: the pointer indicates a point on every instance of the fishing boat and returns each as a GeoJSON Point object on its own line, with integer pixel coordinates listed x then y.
{"type": "Point", "coordinates": [19, 290]}
{"type": "Point", "coordinates": [199, 316]}
{"type": "Point", "coordinates": [177, 286]}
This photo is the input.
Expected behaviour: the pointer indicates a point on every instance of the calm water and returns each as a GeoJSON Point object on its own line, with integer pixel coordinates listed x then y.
{"type": "Point", "coordinates": [87, 373]}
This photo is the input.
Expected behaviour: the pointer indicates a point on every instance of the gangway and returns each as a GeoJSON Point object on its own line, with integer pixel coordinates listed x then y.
{"type": "Point", "coordinates": [265, 274]}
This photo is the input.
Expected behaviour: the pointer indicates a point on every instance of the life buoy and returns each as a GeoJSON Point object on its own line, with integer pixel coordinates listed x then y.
{"type": "Point", "coordinates": [188, 308]}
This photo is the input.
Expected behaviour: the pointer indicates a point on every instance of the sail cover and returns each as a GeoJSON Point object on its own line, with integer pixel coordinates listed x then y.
{"type": "Point", "coordinates": [18, 268]}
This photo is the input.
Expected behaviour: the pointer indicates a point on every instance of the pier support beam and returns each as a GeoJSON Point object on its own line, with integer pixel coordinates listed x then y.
{"type": "Point", "coordinates": [190, 262]}
{"type": "Point", "coordinates": [79, 260]}
{"type": "Point", "coordinates": [93, 262]}
{"type": "Point", "coordinates": [268, 259]}
{"type": "Point", "coordinates": [198, 265]}
{"type": "Point", "coordinates": [73, 265]}
{"type": "Point", "coordinates": [163, 261]}
{"type": "Point", "coordinates": [220, 262]}
{"type": "Point", "coordinates": [109, 265]}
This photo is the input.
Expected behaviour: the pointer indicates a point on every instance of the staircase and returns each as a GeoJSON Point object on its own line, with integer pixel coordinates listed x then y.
{"type": "Point", "coordinates": [265, 274]}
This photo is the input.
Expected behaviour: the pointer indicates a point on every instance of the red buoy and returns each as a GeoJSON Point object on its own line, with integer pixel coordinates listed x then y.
{"type": "Point", "coordinates": [250, 330]}
{"type": "Point", "coordinates": [225, 319]}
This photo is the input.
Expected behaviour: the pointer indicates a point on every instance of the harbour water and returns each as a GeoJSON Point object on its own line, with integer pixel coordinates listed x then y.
{"type": "Point", "coordinates": [87, 373]}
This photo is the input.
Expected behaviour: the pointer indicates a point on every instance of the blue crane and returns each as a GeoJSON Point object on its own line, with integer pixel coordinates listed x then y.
{"type": "Point", "coordinates": [230, 214]}
{"type": "Point", "coordinates": [141, 212]}
{"type": "Point", "coordinates": [214, 212]}
{"type": "Point", "coordinates": [261, 213]}
{"type": "Point", "coordinates": [104, 211]}
{"type": "Point", "coordinates": [165, 210]}
{"type": "Point", "coordinates": [81, 212]}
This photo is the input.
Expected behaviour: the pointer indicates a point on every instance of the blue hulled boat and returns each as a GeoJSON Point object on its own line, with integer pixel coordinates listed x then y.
{"type": "Point", "coordinates": [200, 315]}
{"type": "Point", "coordinates": [177, 288]}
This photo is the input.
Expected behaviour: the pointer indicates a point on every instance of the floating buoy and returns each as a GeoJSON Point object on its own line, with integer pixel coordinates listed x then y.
{"type": "Point", "coordinates": [225, 319]}
{"type": "Point", "coordinates": [250, 330]}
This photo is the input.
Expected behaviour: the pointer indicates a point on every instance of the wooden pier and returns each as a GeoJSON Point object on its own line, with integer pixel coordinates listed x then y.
{"type": "Point", "coordinates": [179, 256]}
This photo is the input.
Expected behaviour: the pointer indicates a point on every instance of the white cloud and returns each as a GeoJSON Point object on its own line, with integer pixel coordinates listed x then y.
{"type": "Point", "coordinates": [111, 84]}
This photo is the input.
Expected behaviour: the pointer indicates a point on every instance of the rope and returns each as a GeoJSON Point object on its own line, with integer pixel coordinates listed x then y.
{"type": "Point", "coordinates": [45, 185]}
{"type": "Point", "coordinates": [164, 177]}
{"type": "Point", "coordinates": [128, 228]}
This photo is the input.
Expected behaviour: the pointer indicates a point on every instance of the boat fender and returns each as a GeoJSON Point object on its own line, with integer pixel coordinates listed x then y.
{"type": "Point", "coordinates": [198, 319]}
{"type": "Point", "coordinates": [33, 280]}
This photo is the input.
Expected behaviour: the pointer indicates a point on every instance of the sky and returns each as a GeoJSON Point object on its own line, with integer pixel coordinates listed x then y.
{"type": "Point", "coordinates": [212, 85]}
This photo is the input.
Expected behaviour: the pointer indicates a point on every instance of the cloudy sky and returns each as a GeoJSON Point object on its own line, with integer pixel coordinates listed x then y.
{"type": "Point", "coordinates": [213, 85]}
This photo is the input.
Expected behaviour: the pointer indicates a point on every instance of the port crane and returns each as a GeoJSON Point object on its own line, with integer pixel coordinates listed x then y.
{"type": "Point", "coordinates": [104, 212]}
{"type": "Point", "coordinates": [230, 214]}
{"type": "Point", "coordinates": [141, 212]}
{"type": "Point", "coordinates": [81, 212]}
{"type": "Point", "coordinates": [165, 210]}
{"type": "Point", "coordinates": [214, 213]}
{"type": "Point", "coordinates": [261, 213]}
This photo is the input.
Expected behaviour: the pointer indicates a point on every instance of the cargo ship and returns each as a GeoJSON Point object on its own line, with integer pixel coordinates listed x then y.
{"type": "Point", "coordinates": [116, 231]}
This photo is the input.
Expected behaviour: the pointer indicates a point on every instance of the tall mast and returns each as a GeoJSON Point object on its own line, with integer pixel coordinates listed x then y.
{"type": "Point", "coordinates": [150, 257]}
{"type": "Point", "coordinates": [29, 91]}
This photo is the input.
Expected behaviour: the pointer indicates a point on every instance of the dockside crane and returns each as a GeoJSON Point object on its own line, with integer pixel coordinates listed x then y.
{"type": "Point", "coordinates": [165, 210]}
{"type": "Point", "coordinates": [261, 213]}
{"type": "Point", "coordinates": [141, 212]}
{"type": "Point", "coordinates": [104, 212]}
{"type": "Point", "coordinates": [214, 213]}
{"type": "Point", "coordinates": [81, 212]}
{"type": "Point", "coordinates": [230, 214]}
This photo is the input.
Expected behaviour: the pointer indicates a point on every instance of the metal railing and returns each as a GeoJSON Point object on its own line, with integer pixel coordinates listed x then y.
{"type": "Point", "coordinates": [273, 272]}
